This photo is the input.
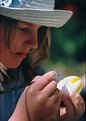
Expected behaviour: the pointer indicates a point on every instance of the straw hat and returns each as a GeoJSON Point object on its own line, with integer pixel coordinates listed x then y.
{"type": "Point", "coordinates": [35, 11]}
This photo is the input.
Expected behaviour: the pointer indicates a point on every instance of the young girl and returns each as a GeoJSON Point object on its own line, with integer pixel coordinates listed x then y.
{"type": "Point", "coordinates": [20, 50]}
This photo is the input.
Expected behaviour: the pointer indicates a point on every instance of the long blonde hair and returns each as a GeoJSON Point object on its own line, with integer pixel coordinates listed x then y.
{"type": "Point", "coordinates": [2, 70]}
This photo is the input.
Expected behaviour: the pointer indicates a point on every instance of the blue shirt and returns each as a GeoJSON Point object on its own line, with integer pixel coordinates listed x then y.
{"type": "Point", "coordinates": [7, 104]}
{"type": "Point", "coordinates": [9, 100]}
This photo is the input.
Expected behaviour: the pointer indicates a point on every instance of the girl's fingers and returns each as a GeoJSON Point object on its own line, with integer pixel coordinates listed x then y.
{"type": "Point", "coordinates": [74, 106]}
{"type": "Point", "coordinates": [55, 97]}
{"type": "Point", "coordinates": [68, 106]}
{"type": "Point", "coordinates": [41, 82]}
{"type": "Point", "coordinates": [50, 89]}
{"type": "Point", "coordinates": [58, 103]}
{"type": "Point", "coordinates": [79, 105]}
{"type": "Point", "coordinates": [81, 101]}
{"type": "Point", "coordinates": [56, 108]}
{"type": "Point", "coordinates": [47, 78]}
{"type": "Point", "coordinates": [62, 111]}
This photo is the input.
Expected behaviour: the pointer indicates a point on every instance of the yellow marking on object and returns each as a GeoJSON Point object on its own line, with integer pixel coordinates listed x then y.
{"type": "Point", "coordinates": [75, 80]}
{"type": "Point", "coordinates": [79, 88]}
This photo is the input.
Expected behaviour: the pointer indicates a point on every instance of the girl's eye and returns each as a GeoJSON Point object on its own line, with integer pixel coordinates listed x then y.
{"type": "Point", "coordinates": [25, 29]}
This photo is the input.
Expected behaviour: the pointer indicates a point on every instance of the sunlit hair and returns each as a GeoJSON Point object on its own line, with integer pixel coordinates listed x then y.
{"type": "Point", "coordinates": [2, 70]}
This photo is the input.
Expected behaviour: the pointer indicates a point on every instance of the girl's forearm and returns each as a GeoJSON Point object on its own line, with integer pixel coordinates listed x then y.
{"type": "Point", "coordinates": [19, 115]}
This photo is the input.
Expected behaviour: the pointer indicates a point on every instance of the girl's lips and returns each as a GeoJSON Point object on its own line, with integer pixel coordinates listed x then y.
{"type": "Point", "coordinates": [21, 55]}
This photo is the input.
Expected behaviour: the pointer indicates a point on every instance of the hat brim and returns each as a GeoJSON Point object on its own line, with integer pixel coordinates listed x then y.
{"type": "Point", "coordinates": [52, 18]}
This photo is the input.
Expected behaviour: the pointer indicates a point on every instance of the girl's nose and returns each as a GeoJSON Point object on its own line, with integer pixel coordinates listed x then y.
{"type": "Point", "coordinates": [34, 40]}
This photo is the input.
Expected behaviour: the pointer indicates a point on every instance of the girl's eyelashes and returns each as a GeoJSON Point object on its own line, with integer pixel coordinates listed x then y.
{"type": "Point", "coordinates": [25, 29]}
{"type": "Point", "coordinates": [28, 29]}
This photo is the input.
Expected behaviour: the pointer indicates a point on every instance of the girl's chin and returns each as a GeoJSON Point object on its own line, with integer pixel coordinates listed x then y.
{"type": "Point", "coordinates": [13, 65]}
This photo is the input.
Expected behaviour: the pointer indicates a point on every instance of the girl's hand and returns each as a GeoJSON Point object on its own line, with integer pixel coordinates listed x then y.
{"type": "Point", "coordinates": [43, 98]}
{"type": "Point", "coordinates": [74, 107]}
{"type": "Point", "coordinates": [40, 101]}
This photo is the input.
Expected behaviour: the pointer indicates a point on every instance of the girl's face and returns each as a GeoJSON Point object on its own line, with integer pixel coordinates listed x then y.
{"type": "Point", "coordinates": [22, 40]}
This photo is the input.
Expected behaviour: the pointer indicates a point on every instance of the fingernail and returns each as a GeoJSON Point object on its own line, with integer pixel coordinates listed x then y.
{"type": "Point", "coordinates": [72, 95]}
{"type": "Point", "coordinates": [77, 95]}
{"type": "Point", "coordinates": [54, 74]}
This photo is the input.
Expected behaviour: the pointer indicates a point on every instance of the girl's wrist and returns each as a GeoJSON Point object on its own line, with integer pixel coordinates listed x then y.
{"type": "Point", "coordinates": [26, 105]}
{"type": "Point", "coordinates": [21, 112]}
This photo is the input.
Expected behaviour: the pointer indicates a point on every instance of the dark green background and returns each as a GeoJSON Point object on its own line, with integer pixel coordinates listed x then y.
{"type": "Point", "coordinates": [67, 52]}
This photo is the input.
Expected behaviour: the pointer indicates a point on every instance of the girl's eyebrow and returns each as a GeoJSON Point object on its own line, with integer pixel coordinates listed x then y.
{"type": "Point", "coordinates": [30, 24]}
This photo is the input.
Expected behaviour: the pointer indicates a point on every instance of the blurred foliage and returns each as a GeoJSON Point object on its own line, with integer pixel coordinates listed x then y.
{"type": "Point", "coordinates": [67, 51]}
{"type": "Point", "coordinates": [67, 43]}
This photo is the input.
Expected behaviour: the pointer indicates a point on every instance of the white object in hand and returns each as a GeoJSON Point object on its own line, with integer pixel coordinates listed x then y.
{"type": "Point", "coordinates": [70, 85]}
